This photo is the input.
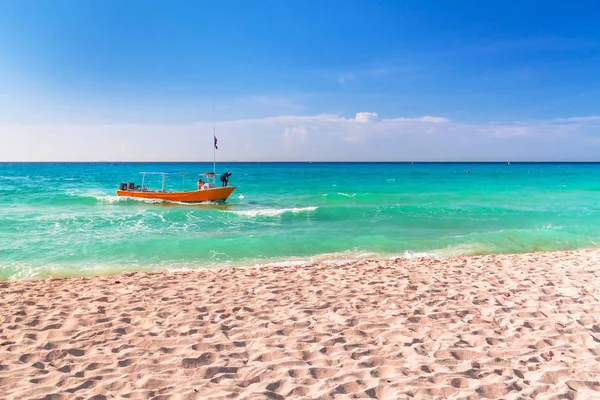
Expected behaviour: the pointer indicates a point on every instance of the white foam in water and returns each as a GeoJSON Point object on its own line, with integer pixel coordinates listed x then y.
{"type": "Point", "coordinates": [332, 259]}
{"type": "Point", "coordinates": [140, 224]}
{"type": "Point", "coordinates": [272, 212]}
{"type": "Point", "coordinates": [355, 256]}
{"type": "Point", "coordinates": [15, 178]}
{"type": "Point", "coordinates": [341, 194]}
{"type": "Point", "coordinates": [108, 199]}
{"type": "Point", "coordinates": [550, 226]}
{"type": "Point", "coordinates": [98, 195]}
{"type": "Point", "coordinates": [201, 203]}
{"type": "Point", "coordinates": [103, 197]}
{"type": "Point", "coordinates": [296, 263]}
{"type": "Point", "coordinates": [420, 254]}
{"type": "Point", "coordinates": [181, 269]}
{"type": "Point", "coordinates": [116, 199]}
{"type": "Point", "coordinates": [326, 259]}
{"type": "Point", "coordinates": [158, 216]}
{"type": "Point", "coordinates": [466, 249]}
{"type": "Point", "coordinates": [84, 193]}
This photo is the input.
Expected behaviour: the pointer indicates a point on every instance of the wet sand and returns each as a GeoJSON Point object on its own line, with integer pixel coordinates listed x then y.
{"type": "Point", "coordinates": [506, 326]}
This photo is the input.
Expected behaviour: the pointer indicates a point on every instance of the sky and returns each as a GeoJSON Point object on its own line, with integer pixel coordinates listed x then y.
{"type": "Point", "coordinates": [427, 80]}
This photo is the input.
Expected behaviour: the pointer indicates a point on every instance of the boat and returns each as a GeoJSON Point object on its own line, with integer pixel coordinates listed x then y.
{"type": "Point", "coordinates": [209, 192]}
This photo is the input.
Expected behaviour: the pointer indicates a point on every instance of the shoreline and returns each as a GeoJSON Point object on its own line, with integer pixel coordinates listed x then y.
{"type": "Point", "coordinates": [494, 326]}
{"type": "Point", "coordinates": [325, 259]}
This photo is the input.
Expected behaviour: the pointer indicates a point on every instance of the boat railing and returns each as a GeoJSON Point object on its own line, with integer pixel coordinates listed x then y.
{"type": "Point", "coordinates": [132, 187]}
{"type": "Point", "coordinates": [163, 176]}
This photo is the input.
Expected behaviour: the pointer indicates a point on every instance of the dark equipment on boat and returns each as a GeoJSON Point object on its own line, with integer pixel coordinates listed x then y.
{"type": "Point", "coordinates": [130, 186]}
{"type": "Point", "coordinates": [123, 186]}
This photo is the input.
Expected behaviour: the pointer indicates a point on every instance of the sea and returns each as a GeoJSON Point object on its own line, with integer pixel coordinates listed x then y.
{"type": "Point", "coordinates": [64, 219]}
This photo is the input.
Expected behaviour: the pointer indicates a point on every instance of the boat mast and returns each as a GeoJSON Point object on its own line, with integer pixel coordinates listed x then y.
{"type": "Point", "coordinates": [214, 147]}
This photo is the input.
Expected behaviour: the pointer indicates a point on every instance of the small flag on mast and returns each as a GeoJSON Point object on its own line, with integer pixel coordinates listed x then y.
{"type": "Point", "coordinates": [216, 148]}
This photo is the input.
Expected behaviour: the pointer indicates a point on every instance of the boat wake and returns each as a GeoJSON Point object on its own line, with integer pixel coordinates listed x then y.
{"type": "Point", "coordinates": [271, 212]}
{"type": "Point", "coordinates": [111, 199]}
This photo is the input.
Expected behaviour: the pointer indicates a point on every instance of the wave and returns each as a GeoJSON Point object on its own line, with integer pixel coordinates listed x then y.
{"type": "Point", "coordinates": [272, 212]}
{"type": "Point", "coordinates": [22, 271]}
{"type": "Point", "coordinates": [336, 259]}
{"type": "Point", "coordinates": [111, 199]}
{"type": "Point", "coordinates": [420, 254]}
{"type": "Point", "coordinates": [342, 194]}
{"type": "Point", "coordinates": [116, 199]}
{"type": "Point", "coordinates": [14, 178]}
{"type": "Point", "coordinates": [464, 249]}
{"type": "Point", "coordinates": [25, 271]}
{"type": "Point", "coordinates": [350, 256]}
{"type": "Point", "coordinates": [108, 199]}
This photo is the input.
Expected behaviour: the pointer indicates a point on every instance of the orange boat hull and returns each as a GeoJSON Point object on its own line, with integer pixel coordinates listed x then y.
{"type": "Point", "coordinates": [212, 194]}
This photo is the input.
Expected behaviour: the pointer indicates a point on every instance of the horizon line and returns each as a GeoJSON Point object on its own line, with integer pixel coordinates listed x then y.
{"type": "Point", "coordinates": [303, 162]}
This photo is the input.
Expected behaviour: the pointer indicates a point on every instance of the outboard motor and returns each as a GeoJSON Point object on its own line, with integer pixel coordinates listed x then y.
{"type": "Point", "coordinates": [123, 186]}
{"type": "Point", "coordinates": [130, 186]}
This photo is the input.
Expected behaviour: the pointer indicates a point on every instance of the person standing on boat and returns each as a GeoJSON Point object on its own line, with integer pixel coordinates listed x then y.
{"type": "Point", "coordinates": [200, 184]}
{"type": "Point", "coordinates": [225, 178]}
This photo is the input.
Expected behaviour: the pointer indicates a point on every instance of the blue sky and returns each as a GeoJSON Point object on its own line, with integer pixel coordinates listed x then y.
{"type": "Point", "coordinates": [498, 76]}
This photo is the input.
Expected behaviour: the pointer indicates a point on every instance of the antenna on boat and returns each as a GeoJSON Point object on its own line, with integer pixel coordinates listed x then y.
{"type": "Point", "coordinates": [214, 141]}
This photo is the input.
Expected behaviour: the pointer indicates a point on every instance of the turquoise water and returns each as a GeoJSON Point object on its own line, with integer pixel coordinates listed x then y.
{"type": "Point", "coordinates": [64, 219]}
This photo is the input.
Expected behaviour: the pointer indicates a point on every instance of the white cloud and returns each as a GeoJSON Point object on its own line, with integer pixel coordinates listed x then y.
{"type": "Point", "coordinates": [435, 120]}
{"type": "Point", "coordinates": [296, 134]}
{"type": "Point", "coordinates": [506, 131]}
{"type": "Point", "coordinates": [366, 117]}
{"type": "Point", "coordinates": [317, 137]}
{"type": "Point", "coordinates": [578, 119]}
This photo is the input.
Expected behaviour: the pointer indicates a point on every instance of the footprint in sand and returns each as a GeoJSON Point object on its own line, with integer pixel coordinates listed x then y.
{"type": "Point", "coordinates": [204, 359]}
{"type": "Point", "coordinates": [322, 373]}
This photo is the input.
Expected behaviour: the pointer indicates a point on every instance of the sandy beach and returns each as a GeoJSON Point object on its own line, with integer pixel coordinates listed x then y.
{"type": "Point", "coordinates": [505, 326]}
